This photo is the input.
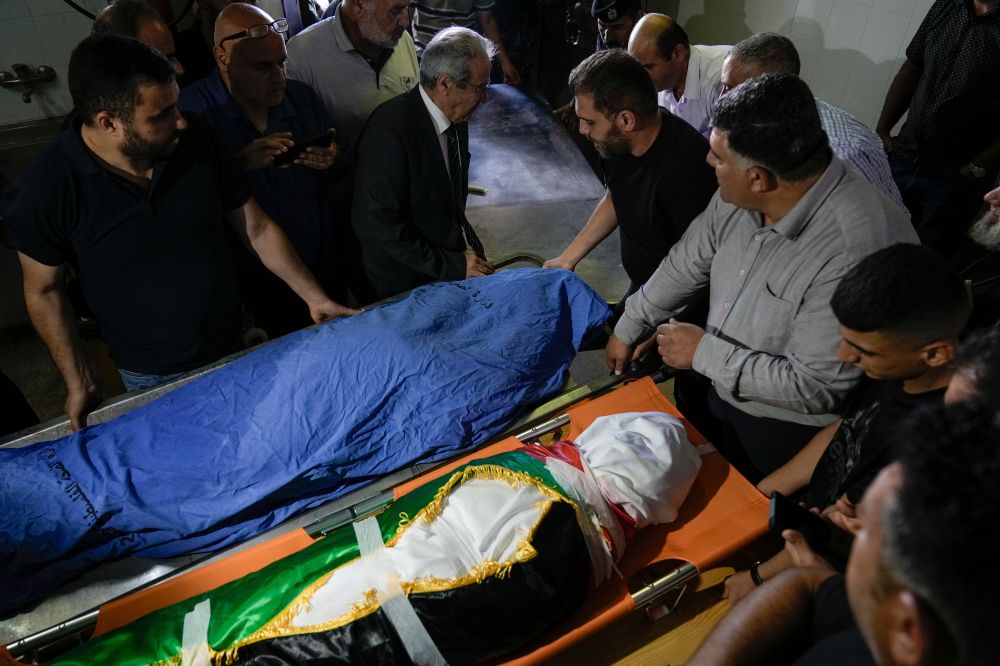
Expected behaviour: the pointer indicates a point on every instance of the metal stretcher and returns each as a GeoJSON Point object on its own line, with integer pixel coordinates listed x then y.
{"type": "Point", "coordinates": [722, 513]}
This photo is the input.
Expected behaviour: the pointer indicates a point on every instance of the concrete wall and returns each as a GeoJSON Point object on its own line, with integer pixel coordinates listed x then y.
{"type": "Point", "coordinates": [850, 49]}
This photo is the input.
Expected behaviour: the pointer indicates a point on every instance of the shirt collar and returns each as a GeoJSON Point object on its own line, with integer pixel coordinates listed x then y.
{"type": "Point", "coordinates": [795, 221]}
{"type": "Point", "coordinates": [339, 35]}
{"type": "Point", "coordinates": [441, 122]}
{"type": "Point", "coordinates": [692, 84]}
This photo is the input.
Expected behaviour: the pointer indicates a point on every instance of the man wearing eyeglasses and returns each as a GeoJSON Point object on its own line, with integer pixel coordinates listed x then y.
{"type": "Point", "coordinates": [360, 57]}
{"type": "Point", "coordinates": [133, 195]}
{"type": "Point", "coordinates": [412, 171]}
{"type": "Point", "coordinates": [259, 114]}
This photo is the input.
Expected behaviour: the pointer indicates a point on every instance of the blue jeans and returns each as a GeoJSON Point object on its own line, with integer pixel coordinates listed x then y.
{"type": "Point", "coordinates": [135, 381]}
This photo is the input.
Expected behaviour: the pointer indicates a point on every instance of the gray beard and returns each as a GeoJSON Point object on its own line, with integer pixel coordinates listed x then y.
{"type": "Point", "coordinates": [986, 230]}
{"type": "Point", "coordinates": [370, 30]}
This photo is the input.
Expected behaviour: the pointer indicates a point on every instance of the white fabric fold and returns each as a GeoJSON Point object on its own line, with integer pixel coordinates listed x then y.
{"type": "Point", "coordinates": [643, 462]}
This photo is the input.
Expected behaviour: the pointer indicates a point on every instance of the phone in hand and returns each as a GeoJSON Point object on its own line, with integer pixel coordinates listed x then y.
{"type": "Point", "coordinates": [290, 155]}
{"type": "Point", "coordinates": [826, 539]}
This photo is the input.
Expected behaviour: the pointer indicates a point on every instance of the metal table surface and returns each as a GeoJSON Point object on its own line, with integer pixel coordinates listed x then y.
{"type": "Point", "coordinates": [540, 192]}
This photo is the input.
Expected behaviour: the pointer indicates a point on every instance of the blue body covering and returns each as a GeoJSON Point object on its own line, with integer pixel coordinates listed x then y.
{"type": "Point", "coordinates": [294, 424]}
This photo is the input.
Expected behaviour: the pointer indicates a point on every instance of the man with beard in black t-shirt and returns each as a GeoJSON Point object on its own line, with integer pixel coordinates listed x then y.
{"type": "Point", "coordinates": [901, 311]}
{"type": "Point", "coordinates": [654, 163]}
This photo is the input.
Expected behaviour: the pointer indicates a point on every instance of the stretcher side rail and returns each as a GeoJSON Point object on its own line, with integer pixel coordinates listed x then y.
{"type": "Point", "coordinates": [362, 503]}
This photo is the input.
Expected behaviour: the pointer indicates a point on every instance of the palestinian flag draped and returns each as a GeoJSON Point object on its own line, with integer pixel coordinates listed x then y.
{"type": "Point", "coordinates": [476, 553]}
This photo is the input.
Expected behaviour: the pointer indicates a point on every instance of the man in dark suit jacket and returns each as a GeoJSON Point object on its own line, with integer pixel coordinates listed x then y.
{"type": "Point", "coordinates": [413, 171]}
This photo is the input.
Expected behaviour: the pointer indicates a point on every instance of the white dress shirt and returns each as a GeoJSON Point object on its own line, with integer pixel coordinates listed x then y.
{"type": "Point", "coordinates": [701, 88]}
{"type": "Point", "coordinates": [441, 123]}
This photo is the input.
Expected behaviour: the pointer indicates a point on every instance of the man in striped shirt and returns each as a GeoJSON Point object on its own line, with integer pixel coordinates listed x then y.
{"type": "Point", "coordinates": [850, 139]}
{"type": "Point", "coordinates": [430, 16]}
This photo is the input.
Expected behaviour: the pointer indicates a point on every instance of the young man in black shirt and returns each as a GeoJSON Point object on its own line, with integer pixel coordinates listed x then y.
{"type": "Point", "coordinates": [919, 581]}
{"type": "Point", "coordinates": [132, 194]}
{"type": "Point", "coordinates": [901, 311]}
{"type": "Point", "coordinates": [657, 177]}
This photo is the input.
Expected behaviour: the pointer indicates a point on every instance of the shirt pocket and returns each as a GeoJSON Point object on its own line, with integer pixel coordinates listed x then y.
{"type": "Point", "coordinates": [771, 322]}
{"type": "Point", "coordinates": [407, 83]}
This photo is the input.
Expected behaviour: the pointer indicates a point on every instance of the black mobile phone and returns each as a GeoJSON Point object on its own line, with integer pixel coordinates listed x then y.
{"type": "Point", "coordinates": [827, 540]}
{"type": "Point", "coordinates": [290, 155]}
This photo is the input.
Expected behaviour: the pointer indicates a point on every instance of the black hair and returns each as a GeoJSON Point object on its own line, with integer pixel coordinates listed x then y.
{"type": "Point", "coordinates": [905, 290]}
{"type": "Point", "coordinates": [772, 121]}
{"type": "Point", "coordinates": [940, 539]}
{"type": "Point", "coordinates": [978, 358]}
{"type": "Point", "coordinates": [617, 81]}
{"type": "Point", "coordinates": [105, 72]}
{"type": "Point", "coordinates": [122, 17]}
{"type": "Point", "coordinates": [768, 52]}
{"type": "Point", "coordinates": [669, 38]}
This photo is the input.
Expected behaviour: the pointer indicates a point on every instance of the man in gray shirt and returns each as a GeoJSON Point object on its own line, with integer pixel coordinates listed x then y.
{"type": "Point", "coordinates": [355, 60]}
{"type": "Point", "coordinates": [788, 221]}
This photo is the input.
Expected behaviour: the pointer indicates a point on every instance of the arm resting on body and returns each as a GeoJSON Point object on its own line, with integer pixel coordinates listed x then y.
{"type": "Point", "coordinates": [897, 100]}
{"type": "Point", "coordinates": [602, 222]}
{"type": "Point", "coordinates": [53, 318]}
{"type": "Point", "coordinates": [761, 628]}
{"type": "Point", "coordinates": [266, 238]}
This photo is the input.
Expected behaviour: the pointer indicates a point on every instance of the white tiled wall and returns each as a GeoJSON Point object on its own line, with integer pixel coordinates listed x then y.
{"type": "Point", "coordinates": [850, 49]}
{"type": "Point", "coordinates": [39, 32]}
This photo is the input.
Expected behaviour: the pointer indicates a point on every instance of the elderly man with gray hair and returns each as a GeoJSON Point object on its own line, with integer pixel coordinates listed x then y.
{"type": "Point", "coordinates": [412, 170]}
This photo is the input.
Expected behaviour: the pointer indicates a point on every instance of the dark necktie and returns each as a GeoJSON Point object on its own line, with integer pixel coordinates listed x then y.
{"type": "Point", "coordinates": [458, 190]}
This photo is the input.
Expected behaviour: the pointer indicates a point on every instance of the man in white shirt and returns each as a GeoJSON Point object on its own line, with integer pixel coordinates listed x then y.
{"type": "Point", "coordinates": [355, 60]}
{"type": "Point", "coordinates": [687, 78]}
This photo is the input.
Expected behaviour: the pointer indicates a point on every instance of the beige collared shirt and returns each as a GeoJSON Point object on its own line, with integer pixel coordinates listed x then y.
{"type": "Point", "coordinates": [323, 57]}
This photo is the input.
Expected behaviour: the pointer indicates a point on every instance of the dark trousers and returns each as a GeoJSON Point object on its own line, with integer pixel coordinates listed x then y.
{"type": "Point", "coordinates": [941, 206]}
{"type": "Point", "coordinates": [754, 445]}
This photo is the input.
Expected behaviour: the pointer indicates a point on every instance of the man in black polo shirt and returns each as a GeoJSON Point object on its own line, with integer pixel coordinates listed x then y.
{"type": "Point", "coordinates": [654, 165]}
{"type": "Point", "coordinates": [132, 195]}
{"type": "Point", "coordinates": [947, 153]}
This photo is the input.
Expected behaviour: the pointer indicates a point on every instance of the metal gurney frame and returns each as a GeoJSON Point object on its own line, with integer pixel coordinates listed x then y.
{"type": "Point", "coordinates": [723, 513]}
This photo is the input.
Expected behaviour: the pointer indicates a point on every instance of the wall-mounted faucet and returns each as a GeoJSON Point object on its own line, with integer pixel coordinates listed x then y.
{"type": "Point", "coordinates": [23, 77]}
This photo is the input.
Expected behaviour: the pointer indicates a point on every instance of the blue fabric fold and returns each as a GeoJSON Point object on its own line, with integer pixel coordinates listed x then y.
{"type": "Point", "coordinates": [294, 424]}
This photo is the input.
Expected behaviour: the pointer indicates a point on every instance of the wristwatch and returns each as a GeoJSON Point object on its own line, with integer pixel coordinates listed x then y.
{"type": "Point", "coordinates": [755, 575]}
{"type": "Point", "coordinates": [976, 171]}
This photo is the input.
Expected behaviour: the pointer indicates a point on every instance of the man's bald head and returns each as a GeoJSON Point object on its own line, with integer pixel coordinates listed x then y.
{"type": "Point", "coordinates": [661, 45]}
{"type": "Point", "coordinates": [237, 17]}
{"type": "Point", "coordinates": [660, 32]}
{"type": "Point", "coordinates": [252, 68]}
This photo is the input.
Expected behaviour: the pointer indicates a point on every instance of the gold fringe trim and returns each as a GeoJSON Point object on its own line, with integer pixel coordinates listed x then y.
{"type": "Point", "coordinates": [175, 660]}
{"type": "Point", "coordinates": [282, 624]}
